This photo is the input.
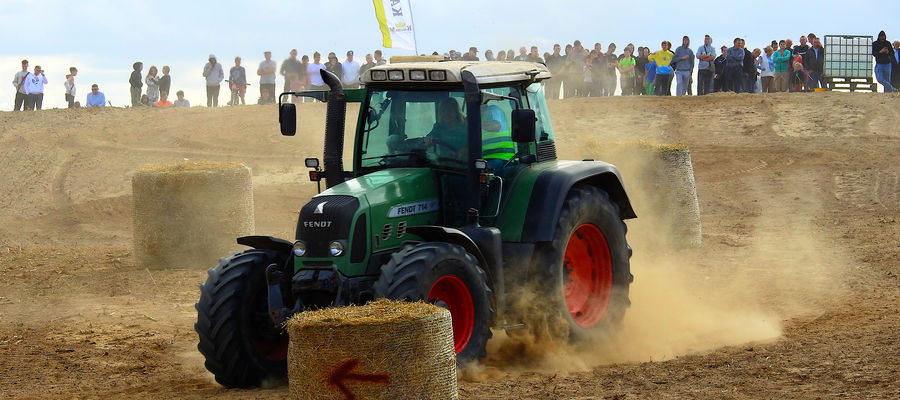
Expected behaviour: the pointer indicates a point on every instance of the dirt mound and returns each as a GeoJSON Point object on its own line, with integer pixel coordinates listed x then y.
{"type": "Point", "coordinates": [793, 293]}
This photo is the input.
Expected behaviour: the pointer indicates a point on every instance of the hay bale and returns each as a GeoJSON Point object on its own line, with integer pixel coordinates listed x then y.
{"type": "Point", "coordinates": [660, 178]}
{"type": "Point", "coordinates": [187, 215]}
{"type": "Point", "coordinates": [398, 350]}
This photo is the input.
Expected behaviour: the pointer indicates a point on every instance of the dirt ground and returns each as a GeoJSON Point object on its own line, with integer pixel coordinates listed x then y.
{"type": "Point", "coordinates": [794, 294]}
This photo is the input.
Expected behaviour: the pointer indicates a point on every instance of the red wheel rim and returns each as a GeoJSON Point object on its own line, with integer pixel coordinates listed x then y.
{"type": "Point", "coordinates": [588, 275]}
{"type": "Point", "coordinates": [453, 292]}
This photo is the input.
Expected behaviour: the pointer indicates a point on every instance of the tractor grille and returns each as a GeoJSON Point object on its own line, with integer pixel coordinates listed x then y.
{"type": "Point", "coordinates": [320, 223]}
{"type": "Point", "coordinates": [546, 150]}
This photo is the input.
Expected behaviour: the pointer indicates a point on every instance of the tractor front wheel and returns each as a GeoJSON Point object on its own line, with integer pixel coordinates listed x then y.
{"type": "Point", "coordinates": [241, 344]}
{"type": "Point", "coordinates": [448, 276]}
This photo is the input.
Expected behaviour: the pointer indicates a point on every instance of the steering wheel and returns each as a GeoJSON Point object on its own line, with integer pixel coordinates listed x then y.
{"type": "Point", "coordinates": [439, 142]}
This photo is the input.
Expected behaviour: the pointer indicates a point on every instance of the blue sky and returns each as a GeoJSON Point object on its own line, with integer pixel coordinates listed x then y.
{"type": "Point", "coordinates": [104, 37]}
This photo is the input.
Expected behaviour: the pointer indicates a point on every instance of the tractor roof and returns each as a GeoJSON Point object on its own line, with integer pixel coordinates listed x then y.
{"type": "Point", "coordinates": [486, 72]}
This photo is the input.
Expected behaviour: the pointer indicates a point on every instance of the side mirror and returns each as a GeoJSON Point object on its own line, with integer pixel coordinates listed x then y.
{"type": "Point", "coordinates": [287, 118]}
{"type": "Point", "coordinates": [523, 125]}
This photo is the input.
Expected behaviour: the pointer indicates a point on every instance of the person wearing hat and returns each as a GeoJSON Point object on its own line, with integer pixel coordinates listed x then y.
{"type": "Point", "coordinates": [472, 55]}
{"type": "Point", "coordinates": [351, 72]}
{"type": "Point", "coordinates": [214, 75]}
{"type": "Point", "coordinates": [266, 72]}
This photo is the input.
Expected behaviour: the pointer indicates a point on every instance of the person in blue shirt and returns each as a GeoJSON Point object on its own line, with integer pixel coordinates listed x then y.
{"type": "Point", "coordinates": [95, 98]}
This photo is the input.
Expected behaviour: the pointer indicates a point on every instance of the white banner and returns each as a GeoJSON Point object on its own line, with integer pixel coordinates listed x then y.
{"type": "Point", "coordinates": [396, 24]}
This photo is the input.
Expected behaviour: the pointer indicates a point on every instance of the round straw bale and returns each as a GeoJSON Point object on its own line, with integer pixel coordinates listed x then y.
{"type": "Point", "coordinates": [187, 215]}
{"type": "Point", "coordinates": [660, 180]}
{"type": "Point", "coordinates": [383, 350]}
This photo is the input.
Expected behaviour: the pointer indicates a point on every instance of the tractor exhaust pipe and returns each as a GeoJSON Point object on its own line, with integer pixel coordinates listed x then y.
{"type": "Point", "coordinates": [335, 117]}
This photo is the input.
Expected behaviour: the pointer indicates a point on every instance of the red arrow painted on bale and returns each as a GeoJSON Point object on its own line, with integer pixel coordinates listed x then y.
{"type": "Point", "coordinates": [344, 372]}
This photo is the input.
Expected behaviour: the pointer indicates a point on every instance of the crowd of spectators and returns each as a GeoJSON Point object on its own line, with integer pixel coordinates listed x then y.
{"type": "Point", "coordinates": [577, 72]}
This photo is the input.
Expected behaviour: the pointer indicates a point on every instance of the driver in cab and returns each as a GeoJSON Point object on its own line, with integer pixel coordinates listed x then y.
{"type": "Point", "coordinates": [449, 130]}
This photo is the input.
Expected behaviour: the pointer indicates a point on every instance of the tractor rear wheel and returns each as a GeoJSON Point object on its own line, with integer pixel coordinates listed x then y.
{"type": "Point", "coordinates": [448, 276]}
{"type": "Point", "coordinates": [585, 270]}
{"type": "Point", "coordinates": [241, 344]}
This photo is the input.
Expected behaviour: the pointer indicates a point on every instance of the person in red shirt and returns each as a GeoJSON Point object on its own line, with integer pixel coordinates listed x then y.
{"type": "Point", "coordinates": [163, 100]}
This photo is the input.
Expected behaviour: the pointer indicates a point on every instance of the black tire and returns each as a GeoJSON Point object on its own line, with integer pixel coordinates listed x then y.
{"type": "Point", "coordinates": [414, 271]}
{"type": "Point", "coordinates": [588, 207]}
{"type": "Point", "coordinates": [242, 346]}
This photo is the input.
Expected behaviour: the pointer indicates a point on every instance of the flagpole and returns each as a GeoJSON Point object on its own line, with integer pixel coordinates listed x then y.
{"type": "Point", "coordinates": [411, 19]}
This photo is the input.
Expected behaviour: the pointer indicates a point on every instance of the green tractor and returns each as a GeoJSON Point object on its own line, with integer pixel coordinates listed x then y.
{"type": "Point", "coordinates": [455, 197]}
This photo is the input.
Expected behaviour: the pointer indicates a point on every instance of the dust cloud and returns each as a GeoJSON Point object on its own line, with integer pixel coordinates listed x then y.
{"type": "Point", "coordinates": [737, 288]}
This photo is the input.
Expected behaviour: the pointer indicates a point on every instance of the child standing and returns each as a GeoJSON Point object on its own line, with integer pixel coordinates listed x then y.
{"type": "Point", "coordinates": [70, 90]}
{"type": "Point", "coordinates": [152, 82]}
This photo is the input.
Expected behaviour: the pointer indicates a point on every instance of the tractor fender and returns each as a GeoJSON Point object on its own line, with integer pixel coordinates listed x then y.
{"type": "Point", "coordinates": [266, 243]}
{"type": "Point", "coordinates": [553, 185]}
{"type": "Point", "coordinates": [489, 260]}
{"type": "Point", "coordinates": [431, 233]}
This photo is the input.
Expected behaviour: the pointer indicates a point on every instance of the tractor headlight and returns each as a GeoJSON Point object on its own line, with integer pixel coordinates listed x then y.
{"type": "Point", "coordinates": [299, 248]}
{"type": "Point", "coordinates": [379, 75]}
{"type": "Point", "coordinates": [395, 75]}
{"type": "Point", "coordinates": [437, 75]}
{"type": "Point", "coordinates": [417, 75]}
{"type": "Point", "coordinates": [336, 248]}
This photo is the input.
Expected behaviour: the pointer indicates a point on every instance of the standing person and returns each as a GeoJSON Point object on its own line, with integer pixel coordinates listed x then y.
{"type": "Point", "coordinates": [650, 76]}
{"type": "Point", "coordinates": [663, 59]}
{"type": "Point", "coordinates": [136, 83]}
{"type": "Point", "coordinates": [214, 75]}
{"type": "Point", "coordinates": [379, 60]}
{"type": "Point", "coordinates": [95, 98]}
{"type": "Point", "coordinates": [266, 72]}
{"type": "Point", "coordinates": [312, 72]}
{"type": "Point", "coordinates": [237, 82]}
{"type": "Point", "coordinates": [351, 71]}
{"type": "Point", "coordinates": [781, 58]}
{"type": "Point", "coordinates": [290, 67]}
{"type": "Point", "coordinates": [534, 56]}
{"type": "Point", "coordinates": [639, 71]}
{"type": "Point", "coordinates": [575, 60]}
{"type": "Point", "coordinates": [152, 82]}
{"type": "Point", "coordinates": [74, 72]}
{"type": "Point", "coordinates": [882, 50]}
{"type": "Point", "coordinates": [34, 89]}
{"type": "Point", "coordinates": [489, 55]}
{"type": "Point", "coordinates": [471, 55]}
{"type": "Point", "coordinates": [706, 68]}
{"type": "Point", "coordinates": [501, 55]}
{"type": "Point", "coordinates": [594, 76]}
{"type": "Point", "coordinates": [895, 65]}
{"type": "Point", "coordinates": [370, 62]}
{"type": "Point", "coordinates": [790, 47]}
{"type": "Point", "coordinates": [165, 81]}
{"type": "Point", "coordinates": [69, 84]}
{"type": "Point", "coordinates": [815, 62]}
{"type": "Point", "coordinates": [719, 63]}
{"type": "Point", "coordinates": [734, 63]}
{"type": "Point", "coordinates": [750, 72]}
{"type": "Point", "coordinates": [523, 54]}
{"type": "Point", "coordinates": [334, 66]}
{"type": "Point", "coordinates": [610, 63]}
{"type": "Point", "coordinates": [801, 50]}
{"type": "Point", "coordinates": [767, 70]}
{"type": "Point", "coordinates": [626, 69]}
{"type": "Point", "coordinates": [555, 63]}
{"type": "Point", "coordinates": [19, 83]}
{"type": "Point", "coordinates": [684, 66]}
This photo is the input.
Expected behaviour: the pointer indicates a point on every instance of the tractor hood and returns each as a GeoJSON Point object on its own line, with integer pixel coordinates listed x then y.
{"type": "Point", "coordinates": [368, 214]}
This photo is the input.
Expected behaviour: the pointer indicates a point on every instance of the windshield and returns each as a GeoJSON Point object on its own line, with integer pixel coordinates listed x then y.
{"type": "Point", "coordinates": [414, 128]}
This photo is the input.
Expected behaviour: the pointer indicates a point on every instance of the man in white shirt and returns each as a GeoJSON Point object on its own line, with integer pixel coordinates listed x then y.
{"type": "Point", "coordinates": [34, 89]}
{"type": "Point", "coordinates": [351, 72]}
{"type": "Point", "coordinates": [266, 74]}
{"type": "Point", "coordinates": [312, 73]}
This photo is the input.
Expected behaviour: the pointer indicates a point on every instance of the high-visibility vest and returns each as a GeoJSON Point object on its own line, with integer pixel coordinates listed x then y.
{"type": "Point", "coordinates": [497, 145]}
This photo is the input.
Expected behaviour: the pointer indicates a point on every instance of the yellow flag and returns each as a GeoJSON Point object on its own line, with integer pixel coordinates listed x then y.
{"type": "Point", "coordinates": [396, 24]}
